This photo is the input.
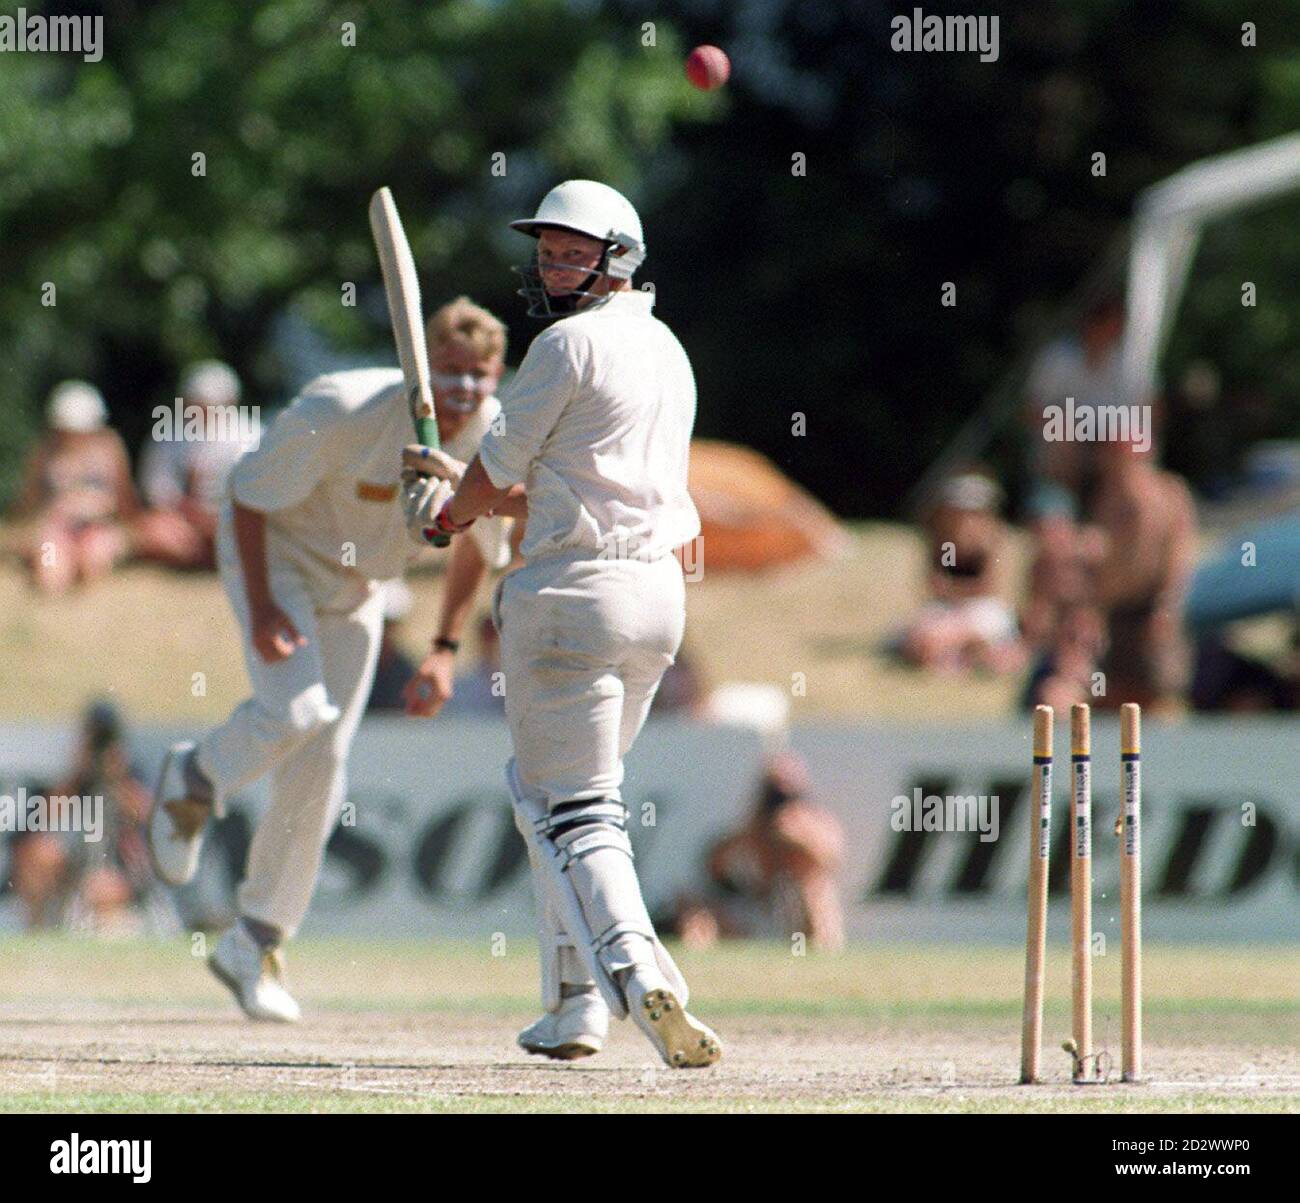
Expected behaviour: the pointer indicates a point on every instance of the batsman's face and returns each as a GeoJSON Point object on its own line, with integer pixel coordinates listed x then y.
{"type": "Point", "coordinates": [566, 259]}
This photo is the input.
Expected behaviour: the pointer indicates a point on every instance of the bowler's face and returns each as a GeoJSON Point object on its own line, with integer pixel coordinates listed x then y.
{"type": "Point", "coordinates": [454, 404]}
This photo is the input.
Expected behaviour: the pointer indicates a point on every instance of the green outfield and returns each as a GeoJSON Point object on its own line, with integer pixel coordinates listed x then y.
{"type": "Point", "coordinates": [133, 1026]}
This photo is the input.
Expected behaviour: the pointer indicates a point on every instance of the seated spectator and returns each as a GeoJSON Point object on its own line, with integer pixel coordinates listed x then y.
{"type": "Point", "coordinates": [776, 873]}
{"type": "Point", "coordinates": [104, 884]}
{"type": "Point", "coordinates": [182, 477]}
{"type": "Point", "coordinates": [76, 496]}
{"type": "Point", "coordinates": [38, 878]}
{"type": "Point", "coordinates": [968, 624]}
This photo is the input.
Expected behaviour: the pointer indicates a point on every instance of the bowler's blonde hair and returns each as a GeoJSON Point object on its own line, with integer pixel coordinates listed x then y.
{"type": "Point", "coordinates": [461, 322]}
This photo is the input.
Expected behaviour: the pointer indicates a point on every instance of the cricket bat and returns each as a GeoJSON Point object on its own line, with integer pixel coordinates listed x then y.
{"type": "Point", "coordinates": [402, 287]}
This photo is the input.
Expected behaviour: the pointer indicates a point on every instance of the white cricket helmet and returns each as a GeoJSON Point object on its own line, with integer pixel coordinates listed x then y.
{"type": "Point", "coordinates": [598, 211]}
{"type": "Point", "coordinates": [77, 407]}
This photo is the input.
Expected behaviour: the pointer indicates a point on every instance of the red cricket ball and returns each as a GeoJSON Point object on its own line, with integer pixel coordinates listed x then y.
{"type": "Point", "coordinates": [708, 67]}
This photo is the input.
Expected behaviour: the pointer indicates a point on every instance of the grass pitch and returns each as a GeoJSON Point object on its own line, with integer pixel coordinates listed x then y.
{"type": "Point", "coordinates": [139, 1026]}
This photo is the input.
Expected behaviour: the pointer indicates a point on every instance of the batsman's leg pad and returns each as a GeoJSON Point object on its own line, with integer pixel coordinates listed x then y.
{"type": "Point", "coordinates": [561, 963]}
{"type": "Point", "coordinates": [584, 868]}
{"type": "Point", "coordinates": [533, 819]}
{"type": "Point", "coordinates": [548, 938]}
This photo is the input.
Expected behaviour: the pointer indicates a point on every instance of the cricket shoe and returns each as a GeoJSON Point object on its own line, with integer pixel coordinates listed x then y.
{"type": "Point", "coordinates": [177, 819]}
{"type": "Point", "coordinates": [577, 1029]}
{"type": "Point", "coordinates": [682, 1040]}
{"type": "Point", "coordinates": [253, 974]}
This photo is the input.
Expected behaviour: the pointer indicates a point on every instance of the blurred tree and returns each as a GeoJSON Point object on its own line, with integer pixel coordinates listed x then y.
{"type": "Point", "coordinates": [299, 109]}
{"type": "Point", "coordinates": [821, 294]}
{"type": "Point", "coordinates": [816, 293]}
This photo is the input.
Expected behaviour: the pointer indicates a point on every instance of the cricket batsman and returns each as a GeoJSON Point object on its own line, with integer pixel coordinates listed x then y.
{"type": "Point", "coordinates": [311, 527]}
{"type": "Point", "coordinates": [596, 426]}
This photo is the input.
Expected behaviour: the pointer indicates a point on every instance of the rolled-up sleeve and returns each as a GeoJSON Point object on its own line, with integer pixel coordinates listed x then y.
{"type": "Point", "coordinates": [532, 404]}
{"type": "Point", "coordinates": [293, 456]}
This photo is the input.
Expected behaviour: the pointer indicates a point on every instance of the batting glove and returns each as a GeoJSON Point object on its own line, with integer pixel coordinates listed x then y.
{"type": "Point", "coordinates": [423, 502]}
{"type": "Point", "coordinates": [432, 461]}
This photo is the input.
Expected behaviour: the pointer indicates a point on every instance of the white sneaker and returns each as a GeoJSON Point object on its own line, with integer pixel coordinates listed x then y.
{"type": "Point", "coordinates": [577, 1029]}
{"type": "Point", "coordinates": [682, 1040]}
{"type": "Point", "coordinates": [253, 975]}
{"type": "Point", "coordinates": [176, 821]}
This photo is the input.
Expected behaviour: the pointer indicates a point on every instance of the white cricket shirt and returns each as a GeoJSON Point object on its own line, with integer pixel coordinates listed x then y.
{"type": "Point", "coordinates": [327, 474]}
{"type": "Point", "coordinates": [597, 425]}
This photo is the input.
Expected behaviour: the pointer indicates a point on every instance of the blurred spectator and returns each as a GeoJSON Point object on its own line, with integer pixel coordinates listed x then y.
{"type": "Point", "coordinates": [1060, 618]}
{"type": "Point", "coordinates": [182, 477]}
{"type": "Point", "coordinates": [76, 495]}
{"type": "Point", "coordinates": [394, 668]}
{"type": "Point", "coordinates": [1062, 573]}
{"type": "Point", "coordinates": [968, 624]}
{"type": "Point", "coordinates": [776, 873]}
{"type": "Point", "coordinates": [1106, 597]}
{"type": "Point", "coordinates": [1085, 367]}
{"type": "Point", "coordinates": [1148, 521]}
{"type": "Point", "coordinates": [1062, 675]}
{"type": "Point", "coordinates": [37, 873]}
{"type": "Point", "coordinates": [104, 885]}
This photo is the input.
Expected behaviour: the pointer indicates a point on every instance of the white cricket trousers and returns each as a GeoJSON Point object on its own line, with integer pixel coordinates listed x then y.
{"type": "Point", "coordinates": [298, 726]}
{"type": "Point", "coordinates": [584, 643]}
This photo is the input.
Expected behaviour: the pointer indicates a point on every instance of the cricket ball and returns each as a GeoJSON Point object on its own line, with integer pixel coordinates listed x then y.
{"type": "Point", "coordinates": [708, 67]}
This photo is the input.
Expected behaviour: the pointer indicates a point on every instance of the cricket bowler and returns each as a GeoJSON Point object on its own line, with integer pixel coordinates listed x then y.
{"type": "Point", "coordinates": [312, 526]}
{"type": "Point", "coordinates": [596, 426]}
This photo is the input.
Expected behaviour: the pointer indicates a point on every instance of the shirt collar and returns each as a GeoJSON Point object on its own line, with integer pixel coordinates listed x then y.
{"type": "Point", "coordinates": [625, 299]}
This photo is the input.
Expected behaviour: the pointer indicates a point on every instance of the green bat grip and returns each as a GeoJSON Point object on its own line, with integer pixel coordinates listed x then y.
{"type": "Point", "coordinates": [426, 430]}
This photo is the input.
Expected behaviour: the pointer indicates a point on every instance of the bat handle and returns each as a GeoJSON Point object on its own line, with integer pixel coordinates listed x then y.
{"type": "Point", "coordinates": [426, 430]}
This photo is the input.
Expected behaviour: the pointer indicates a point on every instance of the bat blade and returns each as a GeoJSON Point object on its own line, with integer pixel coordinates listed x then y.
{"type": "Point", "coordinates": [402, 287]}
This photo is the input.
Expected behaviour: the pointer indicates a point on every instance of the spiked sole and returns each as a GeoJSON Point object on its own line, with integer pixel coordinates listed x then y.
{"type": "Point", "coordinates": [683, 1041]}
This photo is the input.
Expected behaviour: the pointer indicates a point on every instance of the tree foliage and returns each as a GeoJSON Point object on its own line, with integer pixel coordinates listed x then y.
{"type": "Point", "coordinates": [816, 293]}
